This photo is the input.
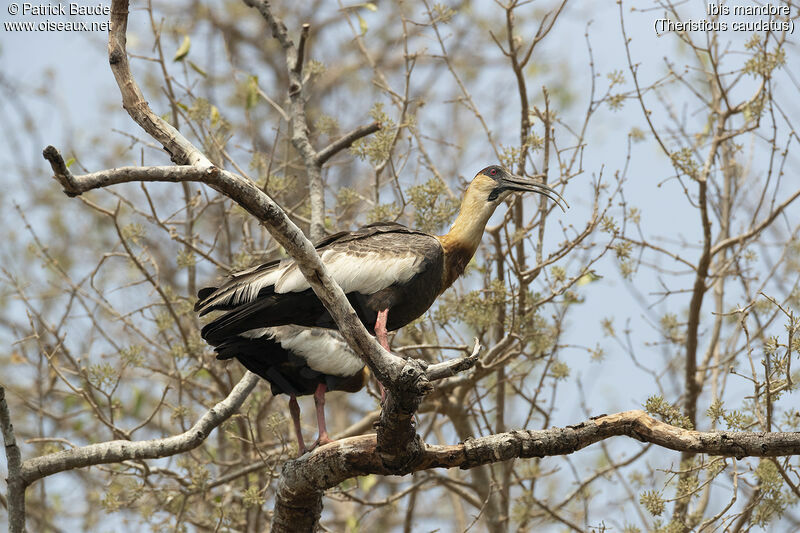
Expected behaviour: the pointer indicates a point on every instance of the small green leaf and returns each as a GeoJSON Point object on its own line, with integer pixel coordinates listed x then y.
{"type": "Point", "coordinates": [367, 482]}
{"type": "Point", "coordinates": [70, 161]}
{"type": "Point", "coordinates": [138, 403]}
{"type": "Point", "coordinates": [183, 50]}
{"type": "Point", "coordinates": [252, 92]}
{"type": "Point", "coordinates": [587, 278]}
{"type": "Point", "coordinates": [362, 24]}
{"type": "Point", "coordinates": [198, 69]}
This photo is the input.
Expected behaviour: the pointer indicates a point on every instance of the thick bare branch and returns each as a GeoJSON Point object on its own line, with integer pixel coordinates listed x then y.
{"type": "Point", "coordinates": [123, 450]}
{"type": "Point", "coordinates": [16, 486]}
{"type": "Point", "coordinates": [115, 176]}
{"type": "Point", "coordinates": [304, 479]}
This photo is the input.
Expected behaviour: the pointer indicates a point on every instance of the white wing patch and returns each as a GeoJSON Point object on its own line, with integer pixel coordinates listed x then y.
{"type": "Point", "coordinates": [324, 350]}
{"type": "Point", "coordinates": [245, 290]}
{"type": "Point", "coordinates": [367, 273]}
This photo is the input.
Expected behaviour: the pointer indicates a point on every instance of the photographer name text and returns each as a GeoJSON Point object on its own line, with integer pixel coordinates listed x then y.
{"type": "Point", "coordinates": [42, 13]}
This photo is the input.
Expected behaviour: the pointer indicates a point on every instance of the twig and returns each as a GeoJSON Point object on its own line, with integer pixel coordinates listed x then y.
{"type": "Point", "coordinates": [345, 141]}
{"type": "Point", "coordinates": [454, 366]}
{"type": "Point", "coordinates": [756, 230]}
{"type": "Point", "coordinates": [61, 172]}
{"type": "Point", "coordinates": [301, 50]}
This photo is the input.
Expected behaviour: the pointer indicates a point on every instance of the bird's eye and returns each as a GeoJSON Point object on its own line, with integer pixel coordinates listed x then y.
{"type": "Point", "coordinates": [493, 172]}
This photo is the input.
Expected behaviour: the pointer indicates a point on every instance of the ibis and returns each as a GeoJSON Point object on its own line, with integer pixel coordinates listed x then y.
{"type": "Point", "coordinates": [391, 275]}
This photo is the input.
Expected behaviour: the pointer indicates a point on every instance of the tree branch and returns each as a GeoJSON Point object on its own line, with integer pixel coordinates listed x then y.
{"type": "Point", "coordinates": [730, 241]}
{"type": "Point", "coordinates": [122, 450]}
{"type": "Point", "coordinates": [301, 50]}
{"type": "Point", "coordinates": [16, 485]}
{"type": "Point", "coordinates": [304, 480]}
{"type": "Point", "coordinates": [297, 111]}
{"type": "Point", "coordinates": [452, 367]}
{"type": "Point", "coordinates": [345, 141]}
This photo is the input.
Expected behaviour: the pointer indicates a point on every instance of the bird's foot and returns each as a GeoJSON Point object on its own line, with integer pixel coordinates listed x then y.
{"type": "Point", "coordinates": [322, 440]}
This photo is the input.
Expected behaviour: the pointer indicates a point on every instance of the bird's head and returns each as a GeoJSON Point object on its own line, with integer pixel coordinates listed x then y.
{"type": "Point", "coordinates": [494, 184]}
{"type": "Point", "coordinates": [488, 189]}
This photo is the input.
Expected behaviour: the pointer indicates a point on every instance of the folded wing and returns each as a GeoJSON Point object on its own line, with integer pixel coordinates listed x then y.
{"type": "Point", "coordinates": [364, 263]}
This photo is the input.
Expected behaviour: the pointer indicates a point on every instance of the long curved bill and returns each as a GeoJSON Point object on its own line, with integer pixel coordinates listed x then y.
{"type": "Point", "coordinates": [518, 183]}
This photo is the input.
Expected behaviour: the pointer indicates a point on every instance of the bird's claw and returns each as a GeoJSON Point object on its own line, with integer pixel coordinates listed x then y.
{"type": "Point", "coordinates": [322, 440]}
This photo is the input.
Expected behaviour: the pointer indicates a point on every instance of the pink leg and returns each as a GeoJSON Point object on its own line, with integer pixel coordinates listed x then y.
{"type": "Point", "coordinates": [319, 401]}
{"type": "Point", "coordinates": [383, 338]}
{"type": "Point", "coordinates": [294, 409]}
{"type": "Point", "coordinates": [380, 329]}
